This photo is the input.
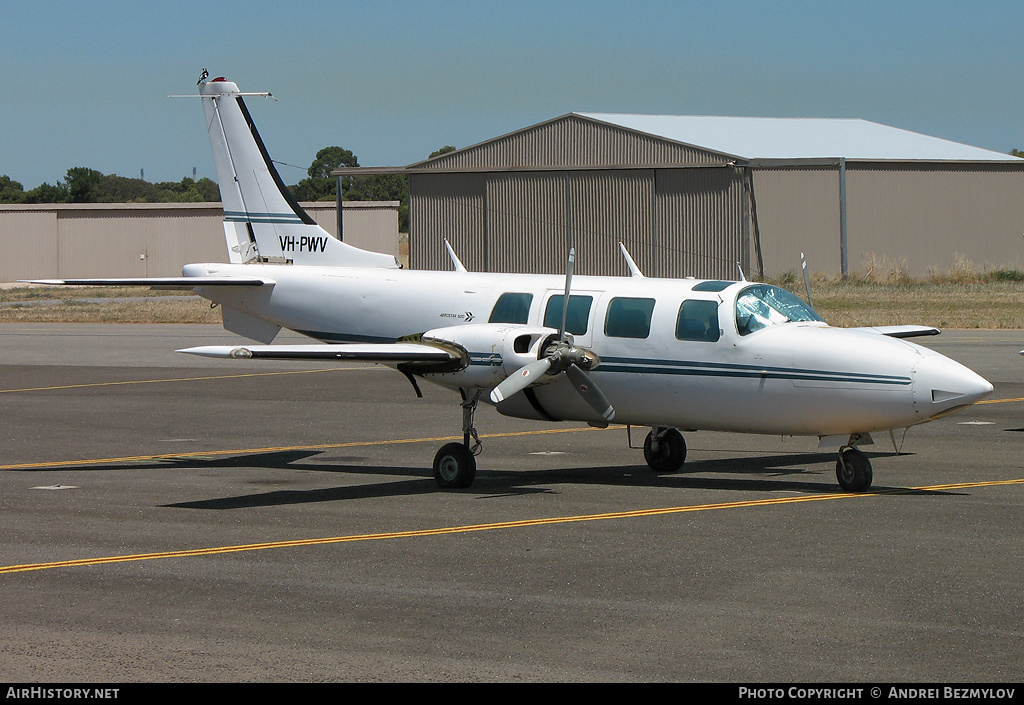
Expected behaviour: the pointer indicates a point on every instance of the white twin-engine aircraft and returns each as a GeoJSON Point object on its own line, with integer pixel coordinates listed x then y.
{"type": "Point", "coordinates": [670, 354]}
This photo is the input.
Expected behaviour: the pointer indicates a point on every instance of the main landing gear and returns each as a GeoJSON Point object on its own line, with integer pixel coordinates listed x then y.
{"type": "Point", "coordinates": [664, 450]}
{"type": "Point", "coordinates": [455, 463]}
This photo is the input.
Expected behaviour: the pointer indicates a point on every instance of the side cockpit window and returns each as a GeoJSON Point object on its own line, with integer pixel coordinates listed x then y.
{"type": "Point", "coordinates": [698, 320]}
{"type": "Point", "coordinates": [629, 318]}
{"type": "Point", "coordinates": [763, 305]}
{"type": "Point", "coordinates": [511, 308]}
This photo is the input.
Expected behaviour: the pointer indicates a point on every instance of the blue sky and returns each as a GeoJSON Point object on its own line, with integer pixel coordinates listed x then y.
{"type": "Point", "coordinates": [86, 83]}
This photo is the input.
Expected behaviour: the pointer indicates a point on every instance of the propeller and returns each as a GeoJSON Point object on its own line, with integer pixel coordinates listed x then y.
{"type": "Point", "coordinates": [561, 356]}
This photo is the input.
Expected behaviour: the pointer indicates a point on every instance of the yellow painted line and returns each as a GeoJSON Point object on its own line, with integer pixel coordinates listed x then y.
{"type": "Point", "coordinates": [186, 379]}
{"type": "Point", "coordinates": [999, 401]}
{"type": "Point", "coordinates": [523, 523]}
{"type": "Point", "coordinates": [279, 449]}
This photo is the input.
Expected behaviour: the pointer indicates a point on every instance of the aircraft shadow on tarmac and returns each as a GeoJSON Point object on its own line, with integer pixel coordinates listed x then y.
{"type": "Point", "coordinates": [772, 473]}
{"type": "Point", "coordinates": [493, 484]}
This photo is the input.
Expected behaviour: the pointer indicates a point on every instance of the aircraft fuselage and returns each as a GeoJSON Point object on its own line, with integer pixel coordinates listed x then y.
{"type": "Point", "coordinates": [789, 378]}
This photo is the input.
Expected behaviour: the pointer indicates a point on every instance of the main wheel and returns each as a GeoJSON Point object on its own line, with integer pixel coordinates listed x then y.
{"type": "Point", "coordinates": [667, 453]}
{"type": "Point", "coordinates": [853, 470]}
{"type": "Point", "coordinates": [454, 466]}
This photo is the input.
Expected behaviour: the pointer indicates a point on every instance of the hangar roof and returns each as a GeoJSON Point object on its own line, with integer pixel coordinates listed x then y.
{"type": "Point", "coordinates": [798, 138]}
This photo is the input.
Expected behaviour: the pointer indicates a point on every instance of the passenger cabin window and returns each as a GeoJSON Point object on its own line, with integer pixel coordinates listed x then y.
{"type": "Point", "coordinates": [698, 320]}
{"type": "Point", "coordinates": [629, 318]}
{"type": "Point", "coordinates": [577, 317]}
{"type": "Point", "coordinates": [762, 305]}
{"type": "Point", "coordinates": [511, 308]}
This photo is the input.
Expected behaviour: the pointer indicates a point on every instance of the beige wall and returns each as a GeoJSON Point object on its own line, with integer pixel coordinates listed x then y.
{"type": "Point", "coordinates": [798, 211]}
{"type": "Point", "coordinates": [918, 218]}
{"type": "Point", "coordinates": [151, 239]}
{"type": "Point", "coordinates": [930, 218]}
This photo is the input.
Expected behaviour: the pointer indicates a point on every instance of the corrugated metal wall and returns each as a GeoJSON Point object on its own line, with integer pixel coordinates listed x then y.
{"type": "Point", "coordinates": [609, 207]}
{"type": "Point", "coordinates": [368, 225]}
{"type": "Point", "coordinates": [701, 228]}
{"type": "Point", "coordinates": [928, 216]}
{"type": "Point", "coordinates": [512, 209]}
{"type": "Point", "coordinates": [526, 223]}
{"type": "Point", "coordinates": [452, 207]}
{"type": "Point", "coordinates": [798, 211]}
{"type": "Point", "coordinates": [139, 240]}
{"type": "Point", "coordinates": [28, 244]}
{"type": "Point", "coordinates": [673, 222]}
{"type": "Point", "coordinates": [531, 219]}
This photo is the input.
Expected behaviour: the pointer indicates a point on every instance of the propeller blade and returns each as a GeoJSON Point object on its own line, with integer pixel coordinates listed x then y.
{"type": "Point", "coordinates": [521, 379]}
{"type": "Point", "coordinates": [569, 266]}
{"type": "Point", "coordinates": [590, 392]}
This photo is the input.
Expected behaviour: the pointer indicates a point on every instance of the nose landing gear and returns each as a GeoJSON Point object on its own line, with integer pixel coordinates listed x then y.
{"type": "Point", "coordinates": [853, 469]}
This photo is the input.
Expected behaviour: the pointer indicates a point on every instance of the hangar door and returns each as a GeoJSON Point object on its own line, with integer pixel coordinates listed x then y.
{"type": "Point", "coordinates": [674, 222]}
{"type": "Point", "coordinates": [531, 219]}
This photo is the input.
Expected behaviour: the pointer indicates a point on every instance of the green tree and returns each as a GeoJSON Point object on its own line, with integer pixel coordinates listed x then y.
{"type": "Point", "coordinates": [122, 189]}
{"type": "Point", "coordinates": [1016, 153]}
{"type": "Point", "coordinates": [11, 191]}
{"type": "Point", "coordinates": [443, 150]}
{"type": "Point", "coordinates": [82, 184]}
{"type": "Point", "coordinates": [188, 191]}
{"type": "Point", "coordinates": [320, 185]}
{"type": "Point", "coordinates": [48, 193]}
{"type": "Point", "coordinates": [377, 187]}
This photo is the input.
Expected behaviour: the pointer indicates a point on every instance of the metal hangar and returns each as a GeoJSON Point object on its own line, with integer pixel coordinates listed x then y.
{"type": "Point", "coordinates": [703, 196]}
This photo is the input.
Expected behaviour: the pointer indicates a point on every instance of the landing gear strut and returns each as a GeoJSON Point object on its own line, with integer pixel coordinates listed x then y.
{"type": "Point", "coordinates": [455, 463]}
{"type": "Point", "coordinates": [664, 450]}
{"type": "Point", "coordinates": [853, 470]}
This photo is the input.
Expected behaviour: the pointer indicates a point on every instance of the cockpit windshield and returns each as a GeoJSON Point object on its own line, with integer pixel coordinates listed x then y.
{"type": "Point", "coordinates": [763, 305]}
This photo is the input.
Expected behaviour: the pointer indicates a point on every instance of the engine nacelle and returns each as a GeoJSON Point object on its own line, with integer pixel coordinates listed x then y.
{"type": "Point", "coordinates": [493, 351]}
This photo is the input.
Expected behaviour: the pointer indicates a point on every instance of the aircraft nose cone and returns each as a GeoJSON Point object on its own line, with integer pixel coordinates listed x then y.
{"type": "Point", "coordinates": [942, 385]}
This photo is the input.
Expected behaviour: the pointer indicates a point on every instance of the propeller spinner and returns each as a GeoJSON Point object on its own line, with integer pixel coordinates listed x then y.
{"type": "Point", "coordinates": [562, 356]}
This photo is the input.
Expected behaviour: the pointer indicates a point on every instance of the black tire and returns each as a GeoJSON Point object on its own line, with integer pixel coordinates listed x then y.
{"type": "Point", "coordinates": [454, 466]}
{"type": "Point", "coordinates": [671, 453]}
{"type": "Point", "coordinates": [853, 470]}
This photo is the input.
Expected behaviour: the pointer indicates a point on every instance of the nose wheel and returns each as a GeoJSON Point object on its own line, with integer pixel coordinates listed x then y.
{"type": "Point", "coordinates": [853, 470]}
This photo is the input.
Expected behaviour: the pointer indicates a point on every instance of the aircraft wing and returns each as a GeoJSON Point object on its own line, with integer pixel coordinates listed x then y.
{"type": "Point", "coordinates": [184, 283]}
{"type": "Point", "coordinates": [359, 352]}
{"type": "Point", "coordinates": [901, 331]}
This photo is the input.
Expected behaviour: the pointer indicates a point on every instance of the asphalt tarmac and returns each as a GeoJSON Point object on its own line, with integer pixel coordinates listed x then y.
{"type": "Point", "coordinates": [165, 518]}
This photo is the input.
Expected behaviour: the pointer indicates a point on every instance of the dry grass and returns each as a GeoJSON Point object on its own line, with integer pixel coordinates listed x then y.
{"type": "Point", "coordinates": [884, 293]}
{"type": "Point", "coordinates": [45, 304]}
{"type": "Point", "coordinates": [886, 297]}
{"type": "Point", "coordinates": [944, 305]}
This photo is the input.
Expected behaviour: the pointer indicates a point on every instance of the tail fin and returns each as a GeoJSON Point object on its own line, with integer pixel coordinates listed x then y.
{"type": "Point", "coordinates": [262, 222]}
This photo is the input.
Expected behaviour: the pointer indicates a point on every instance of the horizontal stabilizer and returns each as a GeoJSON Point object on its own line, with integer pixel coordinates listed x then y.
{"type": "Point", "coordinates": [901, 331]}
{"type": "Point", "coordinates": [358, 352]}
{"type": "Point", "coordinates": [156, 282]}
